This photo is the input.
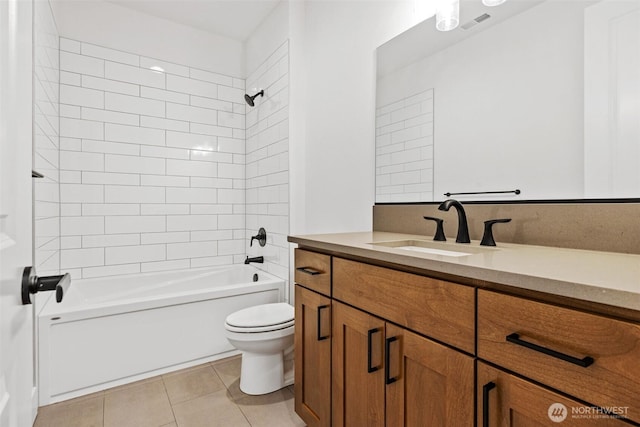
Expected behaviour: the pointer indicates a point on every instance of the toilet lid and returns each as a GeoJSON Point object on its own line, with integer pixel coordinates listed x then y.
{"type": "Point", "coordinates": [275, 316]}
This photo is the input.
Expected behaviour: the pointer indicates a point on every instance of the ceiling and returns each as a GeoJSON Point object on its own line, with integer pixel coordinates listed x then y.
{"type": "Point", "coordinates": [236, 19]}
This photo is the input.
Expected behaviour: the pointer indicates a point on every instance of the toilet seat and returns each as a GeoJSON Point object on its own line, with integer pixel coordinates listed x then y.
{"type": "Point", "coordinates": [261, 318]}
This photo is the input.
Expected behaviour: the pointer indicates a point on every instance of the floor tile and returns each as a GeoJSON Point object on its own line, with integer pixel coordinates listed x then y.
{"type": "Point", "coordinates": [229, 373]}
{"type": "Point", "coordinates": [84, 412]}
{"type": "Point", "coordinates": [133, 384]}
{"type": "Point", "coordinates": [268, 410]}
{"type": "Point", "coordinates": [207, 395]}
{"type": "Point", "coordinates": [228, 370]}
{"type": "Point", "coordinates": [146, 404]}
{"type": "Point", "coordinates": [212, 410]}
{"type": "Point", "coordinates": [190, 383]}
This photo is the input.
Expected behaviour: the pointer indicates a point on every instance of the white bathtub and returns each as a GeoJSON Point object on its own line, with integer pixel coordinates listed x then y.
{"type": "Point", "coordinates": [114, 330]}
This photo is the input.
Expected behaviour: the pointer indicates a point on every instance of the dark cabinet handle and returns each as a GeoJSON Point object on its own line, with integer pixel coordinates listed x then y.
{"type": "Point", "coordinates": [370, 333]}
{"type": "Point", "coordinates": [387, 361]}
{"type": "Point", "coordinates": [309, 270]}
{"type": "Point", "coordinates": [485, 402]}
{"type": "Point", "coordinates": [320, 336]}
{"type": "Point", "coordinates": [584, 362]}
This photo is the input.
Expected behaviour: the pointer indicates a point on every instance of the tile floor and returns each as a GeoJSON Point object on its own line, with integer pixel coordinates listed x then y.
{"type": "Point", "coordinates": [207, 395]}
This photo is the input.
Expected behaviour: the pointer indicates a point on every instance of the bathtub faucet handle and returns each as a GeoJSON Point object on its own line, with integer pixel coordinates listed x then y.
{"type": "Point", "coordinates": [261, 237]}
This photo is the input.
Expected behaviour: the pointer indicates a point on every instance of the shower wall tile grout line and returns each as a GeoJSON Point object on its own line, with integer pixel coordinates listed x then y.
{"type": "Point", "coordinates": [176, 159]}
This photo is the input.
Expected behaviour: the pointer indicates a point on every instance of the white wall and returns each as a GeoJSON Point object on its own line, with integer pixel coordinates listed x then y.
{"type": "Point", "coordinates": [267, 38]}
{"type": "Point", "coordinates": [333, 109]}
{"type": "Point", "coordinates": [110, 25]}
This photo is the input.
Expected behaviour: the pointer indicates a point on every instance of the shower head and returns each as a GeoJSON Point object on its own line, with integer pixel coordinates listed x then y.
{"type": "Point", "coordinates": [250, 99]}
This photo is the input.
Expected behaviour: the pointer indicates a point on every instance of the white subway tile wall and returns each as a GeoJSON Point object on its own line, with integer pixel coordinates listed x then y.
{"type": "Point", "coordinates": [404, 149]}
{"type": "Point", "coordinates": [46, 141]}
{"type": "Point", "coordinates": [267, 160]}
{"type": "Point", "coordinates": [152, 164]}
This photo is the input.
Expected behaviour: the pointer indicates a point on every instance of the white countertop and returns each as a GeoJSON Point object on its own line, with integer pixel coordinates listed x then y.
{"type": "Point", "coordinates": [601, 277]}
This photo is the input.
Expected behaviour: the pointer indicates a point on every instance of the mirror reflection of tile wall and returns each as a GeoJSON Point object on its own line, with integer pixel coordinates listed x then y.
{"type": "Point", "coordinates": [404, 149]}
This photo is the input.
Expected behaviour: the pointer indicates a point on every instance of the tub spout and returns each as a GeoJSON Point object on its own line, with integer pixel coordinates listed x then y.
{"type": "Point", "coordinates": [258, 259]}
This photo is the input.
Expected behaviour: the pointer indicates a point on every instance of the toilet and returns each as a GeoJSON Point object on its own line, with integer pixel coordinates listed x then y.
{"type": "Point", "coordinates": [264, 335]}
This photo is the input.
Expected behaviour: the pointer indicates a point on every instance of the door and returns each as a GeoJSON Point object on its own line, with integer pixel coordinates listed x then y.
{"type": "Point", "coordinates": [313, 357]}
{"type": "Point", "coordinates": [17, 393]}
{"type": "Point", "coordinates": [358, 368]}
{"type": "Point", "coordinates": [507, 401]}
{"type": "Point", "coordinates": [428, 384]}
{"type": "Point", "coordinates": [612, 99]}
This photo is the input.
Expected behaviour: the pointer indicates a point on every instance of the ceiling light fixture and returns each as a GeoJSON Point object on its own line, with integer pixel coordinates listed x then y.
{"type": "Point", "coordinates": [447, 15]}
{"type": "Point", "coordinates": [492, 3]}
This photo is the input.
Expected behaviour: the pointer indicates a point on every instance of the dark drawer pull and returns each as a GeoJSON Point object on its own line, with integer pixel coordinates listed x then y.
{"type": "Point", "coordinates": [485, 402]}
{"type": "Point", "coordinates": [584, 362]}
{"type": "Point", "coordinates": [387, 361]}
{"type": "Point", "coordinates": [320, 336]}
{"type": "Point", "coordinates": [370, 333]}
{"type": "Point", "coordinates": [309, 270]}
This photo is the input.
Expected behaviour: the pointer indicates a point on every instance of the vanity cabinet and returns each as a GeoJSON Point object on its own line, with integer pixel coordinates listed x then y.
{"type": "Point", "coordinates": [361, 357]}
{"type": "Point", "coordinates": [312, 338]}
{"type": "Point", "coordinates": [387, 375]}
{"type": "Point", "coordinates": [377, 346]}
{"type": "Point", "coordinates": [312, 357]}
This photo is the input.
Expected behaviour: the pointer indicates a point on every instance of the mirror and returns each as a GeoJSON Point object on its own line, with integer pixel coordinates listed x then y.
{"type": "Point", "coordinates": [541, 96]}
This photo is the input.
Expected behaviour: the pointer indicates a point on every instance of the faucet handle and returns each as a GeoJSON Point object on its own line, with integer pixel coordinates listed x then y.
{"type": "Point", "coordinates": [487, 237]}
{"type": "Point", "coordinates": [261, 237]}
{"type": "Point", "coordinates": [440, 237]}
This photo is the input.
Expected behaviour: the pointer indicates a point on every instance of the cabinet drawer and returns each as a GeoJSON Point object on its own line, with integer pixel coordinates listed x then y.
{"type": "Point", "coordinates": [313, 271]}
{"type": "Point", "coordinates": [441, 310]}
{"type": "Point", "coordinates": [591, 357]}
{"type": "Point", "coordinates": [505, 400]}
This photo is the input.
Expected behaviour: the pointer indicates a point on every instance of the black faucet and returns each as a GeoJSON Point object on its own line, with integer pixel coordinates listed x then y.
{"type": "Point", "coordinates": [463, 228]}
{"type": "Point", "coordinates": [259, 259]}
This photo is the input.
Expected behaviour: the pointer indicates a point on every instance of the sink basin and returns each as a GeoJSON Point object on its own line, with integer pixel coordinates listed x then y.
{"type": "Point", "coordinates": [431, 248]}
{"type": "Point", "coordinates": [432, 251]}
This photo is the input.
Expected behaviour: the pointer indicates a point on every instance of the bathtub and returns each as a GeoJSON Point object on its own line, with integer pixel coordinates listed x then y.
{"type": "Point", "coordinates": [114, 330]}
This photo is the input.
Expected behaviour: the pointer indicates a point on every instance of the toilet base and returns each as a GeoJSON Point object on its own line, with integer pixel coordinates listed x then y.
{"type": "Point", "coordinates": [262, 373]}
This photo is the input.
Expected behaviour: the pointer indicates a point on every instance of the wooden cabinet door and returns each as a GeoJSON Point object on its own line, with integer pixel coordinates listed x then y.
{"type": "Point", "coordinates": [312, 357]}
{"type": "Point", "coordinates": [508, 401]}
{"type": "Point", "coordinates": [428, 384]}
{"type": "Point", "coordinates": [358, 368]}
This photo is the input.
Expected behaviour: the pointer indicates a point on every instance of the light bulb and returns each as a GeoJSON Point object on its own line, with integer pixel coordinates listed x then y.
{"type": "Point", "coordinates": [447, 15]}
{"type": "Point", "coordinates": [492, 3]}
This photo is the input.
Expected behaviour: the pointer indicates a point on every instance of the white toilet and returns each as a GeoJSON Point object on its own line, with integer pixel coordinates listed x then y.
{"type": "Point", "coordinates": [264, 335]}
